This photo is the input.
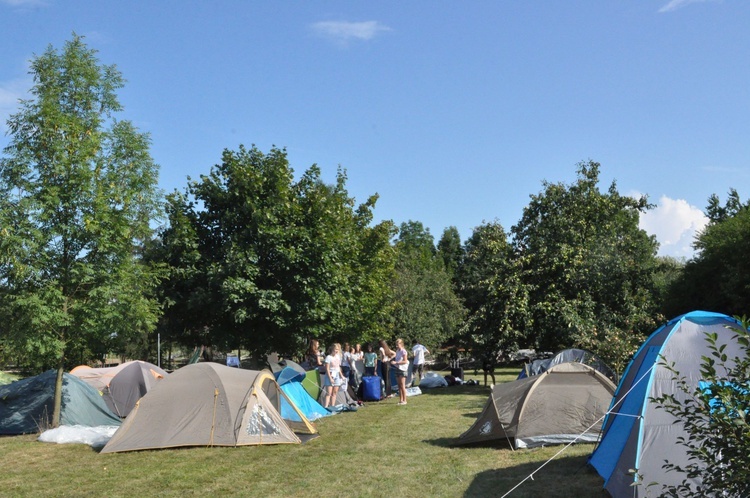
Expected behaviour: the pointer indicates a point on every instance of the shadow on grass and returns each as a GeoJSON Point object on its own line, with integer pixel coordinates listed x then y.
{"type": "Point", "coordinates": [456, 390]}
{"type": "Point", "coordinates": [452, 442]}
{"type": "Point", "coordinates": [562, 477]}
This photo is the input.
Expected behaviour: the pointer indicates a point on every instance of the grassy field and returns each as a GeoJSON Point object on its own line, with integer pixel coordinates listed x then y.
{"type": "Point", "coordinates": [381, 450]}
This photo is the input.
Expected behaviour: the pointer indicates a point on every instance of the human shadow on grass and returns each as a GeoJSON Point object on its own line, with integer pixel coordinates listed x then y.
{"type": "Point", "coordinates": [562, 477]}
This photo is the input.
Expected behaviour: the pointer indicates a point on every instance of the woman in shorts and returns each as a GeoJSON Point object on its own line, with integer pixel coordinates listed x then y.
{"type": "Point", "coordinates": [401, 364]}
{"type": "Point", "coordinates": [332, 380]}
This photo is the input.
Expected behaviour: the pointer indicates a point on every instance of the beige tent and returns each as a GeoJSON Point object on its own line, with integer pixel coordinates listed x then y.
{"type": "Point", "coordinates": [121, 386]}
{"type": "Point", "coordinates": [566, 403]}
{"type": "Point", "coordinates": [208, 404]}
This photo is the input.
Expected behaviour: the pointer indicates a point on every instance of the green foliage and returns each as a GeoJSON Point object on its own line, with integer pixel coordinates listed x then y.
{"type": "Point", "coordinates": [261, 262]}
{"type": "Point", "coordinates": [77, 198]}
{"type": "Point", "coordinates": [450, 250]}
{"type": "Point", "coordinates": [77, 193]}
{"type": "Point", "coordinates": [424, 305]}
{"type": "Point", "coordinates": [717, 277]}
{"type": "Point", "coordinates": [717, 420]}
{"type": "Point", "coordinates": [495, 298]}
{"type": "Point", "coordinates": [587, 267]}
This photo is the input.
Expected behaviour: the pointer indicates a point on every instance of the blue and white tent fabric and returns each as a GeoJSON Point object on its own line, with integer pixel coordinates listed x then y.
{"type": "Point", "coordinates": [637, 434]}
{"type": "Point", "coordinates": [290, 375]}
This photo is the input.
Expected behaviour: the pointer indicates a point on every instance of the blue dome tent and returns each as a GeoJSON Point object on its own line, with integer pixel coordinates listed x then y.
{"type": "Point", "coordinates": [637, 434]}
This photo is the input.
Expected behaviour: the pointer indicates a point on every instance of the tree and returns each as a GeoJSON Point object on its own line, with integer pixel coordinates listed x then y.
{"type": "Point", "coordinates": [587, 266]}
{"type": "Point", "coordinates": [77, 194]}
{"type": "Point", "coordinates": [424, 305]}
{"type": "Point", "coordinates": [717, 277]}
{"type": "Point", "coordinates": [450, 250]}
{"type": "Point", "coordinates": [495, 298]}
{"type": "Point", "coordinates": [262, 262]}
{"type": "Point", "coordinates": [716, 416]}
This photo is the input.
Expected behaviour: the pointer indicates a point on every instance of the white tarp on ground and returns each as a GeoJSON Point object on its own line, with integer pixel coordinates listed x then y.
{"type": "Point", "coordinates": [96, 437]}
{"type": "Point", "coordinates": [431, 379]}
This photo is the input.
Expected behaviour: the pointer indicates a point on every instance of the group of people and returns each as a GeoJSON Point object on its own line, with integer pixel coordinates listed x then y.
{"type": "Point", "coordinates": [340, 363]}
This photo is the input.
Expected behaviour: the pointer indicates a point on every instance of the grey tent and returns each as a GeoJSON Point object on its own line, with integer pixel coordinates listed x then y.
{"type": "Point", "coordinates": [637, 433]}
{"type": "Point", "coordinates": [26, 405]}
{"type": "Point", "coordinates": [123, 385]}
{"type": "Point", "coordinates": [208, 404]}
{"type": "Point", "coordinates": [564, 404]}
{"type": "Point", "coordinates": [567, 355]}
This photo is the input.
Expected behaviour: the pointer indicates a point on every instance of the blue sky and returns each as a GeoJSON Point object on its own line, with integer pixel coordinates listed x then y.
{"type": "Point", "coordinates": [453, 112]}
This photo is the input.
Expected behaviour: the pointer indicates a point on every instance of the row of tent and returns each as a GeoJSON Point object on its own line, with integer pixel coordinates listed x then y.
{"type": "Point", "coordinates": [201, 404]}
{"type": "Point", "coordinates": [206, 404]}
{"type": "Point", "coordinates": [573, 401]}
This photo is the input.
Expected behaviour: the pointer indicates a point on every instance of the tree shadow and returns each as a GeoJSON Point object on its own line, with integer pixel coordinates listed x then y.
{"type": "Point", "coordinates": [455, 390]}
{"type": "Point", "coordinates": [562, 477]}
{"type": "Point", "coordinates": [453, 442]}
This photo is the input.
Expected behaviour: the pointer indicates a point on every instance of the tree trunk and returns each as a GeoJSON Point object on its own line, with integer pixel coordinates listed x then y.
{"type": "Point", "coordinates": [58, 394]}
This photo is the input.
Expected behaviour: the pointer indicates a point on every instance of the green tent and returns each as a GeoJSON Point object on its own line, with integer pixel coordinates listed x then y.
{"type": "Point", "coordinates": [26, 405]}
{"type": "Point", "coordinates": [312, 384]}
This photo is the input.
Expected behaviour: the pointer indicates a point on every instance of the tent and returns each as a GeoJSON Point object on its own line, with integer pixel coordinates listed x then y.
{"type": "Point", "coordinates": [208, 404]}
{"type": "Point", "coordinates": [567, 355]}
{"type": "Point", "coordinates": [345, 397]}
{"type": "Point", "coordinates": [290, 375]}
{"type": "Point", "coordinates": [564, 404]}
{"type": "Point", "coordinates": [639, 435]}
{"type": "Point", "coordinates": [123, 385]}
{"type": "Point", "coordinates": [312, 383]}
{"type": "Point", "coordinates": [26, 405]}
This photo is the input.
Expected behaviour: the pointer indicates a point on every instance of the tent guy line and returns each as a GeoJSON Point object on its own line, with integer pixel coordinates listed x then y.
{"type": "Point", "coordinates": [564, 448]}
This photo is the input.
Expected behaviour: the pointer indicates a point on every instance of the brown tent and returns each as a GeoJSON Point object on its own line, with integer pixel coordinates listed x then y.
{"type": "Point", "coordinates": [121, 386]}
{"type": "Point", "coordinates": [566, 403]}
{"type": "Point", "coordinates": [208, 404]}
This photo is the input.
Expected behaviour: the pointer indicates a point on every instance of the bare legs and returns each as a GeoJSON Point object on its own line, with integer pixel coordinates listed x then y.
{"type": "Point", "coordinates": [401, 380]}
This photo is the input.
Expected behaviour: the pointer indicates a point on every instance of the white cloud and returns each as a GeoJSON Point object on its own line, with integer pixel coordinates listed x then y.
{"type": "Point", "coordinates": [678, 4]}
{"type": "Point", "coordinates": [675, 223]}
{"type": "Point", "coordinates": [24, 3]}
{"type": "Point", "coordinates": [345, 31]}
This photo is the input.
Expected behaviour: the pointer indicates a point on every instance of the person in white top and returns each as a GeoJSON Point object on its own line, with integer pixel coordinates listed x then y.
{"type": "Point", "coordinates": [332, 379]}
{"type": "Point", "coordinates": [419, 351]}
{"type": "Point", "coordinates": [401, 364]}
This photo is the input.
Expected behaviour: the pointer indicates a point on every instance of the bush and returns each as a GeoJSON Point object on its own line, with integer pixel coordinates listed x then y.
{"type": "Point", "coordinates": [715, 415]}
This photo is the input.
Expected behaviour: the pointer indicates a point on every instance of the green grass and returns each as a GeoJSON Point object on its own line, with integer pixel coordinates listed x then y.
{"type": "Point", "coordinates": [381, 450]}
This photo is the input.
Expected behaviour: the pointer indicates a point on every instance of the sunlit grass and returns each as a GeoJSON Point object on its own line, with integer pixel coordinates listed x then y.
{"type": "Point", "coordinates": [381, 450]}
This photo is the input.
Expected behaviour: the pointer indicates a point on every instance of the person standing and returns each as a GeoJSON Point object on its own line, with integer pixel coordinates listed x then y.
{"type": "Point", "coordinates": [332, 380]}
{"type": "Point", "coordinates": [386, 355]}
{"type": "Point", "coordinates": [313, 356]}
{"type": "Point", "coordinates": [345, 362]}
{"type": "Point", "coordinates": [419, 351]}
{"type": "Point", "coordinates": [371, 360]}
{"type": "Point", "coordinates": [401, 363]}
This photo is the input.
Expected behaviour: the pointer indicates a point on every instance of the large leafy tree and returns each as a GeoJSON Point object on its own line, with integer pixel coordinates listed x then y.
{"type": "Point", "coordinates": [450, 250]}
{"type": "Point", "coordinates": [495, 298]}
{"type": "Point", "coordinates": [77, 194]}
{"type": "Point", "coordinates": [424, 306]}
{"type": "Point", "coordinates": [262, 262]}
{"type": "Point", "coordinates": [718, 277]}
{"type": "Point", "coordinates": [587, 267]}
